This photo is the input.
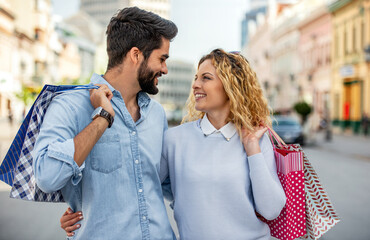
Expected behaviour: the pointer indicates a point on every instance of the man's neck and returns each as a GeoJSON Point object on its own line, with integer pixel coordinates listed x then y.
{"type": "Point", "coordinates": [126, 83]}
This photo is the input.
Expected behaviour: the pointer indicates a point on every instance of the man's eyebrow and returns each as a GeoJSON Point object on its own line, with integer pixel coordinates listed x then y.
{"type": "Point", "coordinates": [165, 56]}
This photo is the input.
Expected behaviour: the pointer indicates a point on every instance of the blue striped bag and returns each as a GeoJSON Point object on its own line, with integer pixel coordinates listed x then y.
{"type": "Point", "coordinates": [16, 169]}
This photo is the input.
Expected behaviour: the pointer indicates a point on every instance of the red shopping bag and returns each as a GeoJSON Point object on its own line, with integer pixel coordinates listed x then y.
{"type": "Point", "coordinates": [291, 223]}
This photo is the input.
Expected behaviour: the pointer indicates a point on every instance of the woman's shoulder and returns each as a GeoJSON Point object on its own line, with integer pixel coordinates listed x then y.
{"type": "Point", "coordinates": [265, 141]}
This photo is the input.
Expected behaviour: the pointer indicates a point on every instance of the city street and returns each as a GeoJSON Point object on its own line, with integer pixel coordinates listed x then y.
{"type": "Point", "coordinates": [343, 166]}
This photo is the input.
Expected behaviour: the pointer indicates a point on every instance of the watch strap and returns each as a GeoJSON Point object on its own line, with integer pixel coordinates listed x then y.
{"type": "Point", "coordinates": [100, 112]}
{"type": "Point", "coordinates": [108, 116]}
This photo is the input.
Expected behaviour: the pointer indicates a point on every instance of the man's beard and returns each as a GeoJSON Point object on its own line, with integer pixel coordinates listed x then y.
{"type": "Point", "coordinates": [146, 78]}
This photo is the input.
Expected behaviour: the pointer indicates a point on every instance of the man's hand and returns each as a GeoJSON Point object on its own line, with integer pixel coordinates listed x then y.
{"type": "Point", "coordinates": [101, 97]}
{"type": "Point", "coordinates": [68, 221]}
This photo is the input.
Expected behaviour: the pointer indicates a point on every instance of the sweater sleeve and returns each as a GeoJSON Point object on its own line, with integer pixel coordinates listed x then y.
{"type": "Point", "coordinates": [164, 172]}
{"type": "Point", "coordinates": [269, 196]}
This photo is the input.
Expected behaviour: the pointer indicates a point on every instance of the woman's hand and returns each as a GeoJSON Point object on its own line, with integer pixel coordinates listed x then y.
{"type": "Point", "coordinates": [68, 221]}
{"type": "Point", "coordinates": [251, 140]}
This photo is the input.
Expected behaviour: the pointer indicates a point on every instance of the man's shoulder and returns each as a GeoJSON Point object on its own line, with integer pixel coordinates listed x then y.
{"type": "Point", "coordinates": [76, 99]}
{"type": "Point", "coordinates": [181, 129]}
{"type": "Point", "coordinates": [155, 104]}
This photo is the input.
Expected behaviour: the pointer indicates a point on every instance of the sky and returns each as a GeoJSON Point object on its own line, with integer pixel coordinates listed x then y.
{"type": "Point", "coordinates": [203, 25]}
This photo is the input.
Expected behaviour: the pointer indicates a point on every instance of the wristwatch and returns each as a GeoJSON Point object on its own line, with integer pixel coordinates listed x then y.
{"type": "Point", "coordinates": [100, 112]}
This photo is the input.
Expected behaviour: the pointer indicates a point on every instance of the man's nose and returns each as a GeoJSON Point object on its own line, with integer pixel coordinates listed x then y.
{"type": "Point", "coordinates": [164, 69]}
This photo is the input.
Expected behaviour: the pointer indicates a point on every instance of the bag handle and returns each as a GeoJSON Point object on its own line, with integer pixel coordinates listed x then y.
{"type": "Point", "coordinates": [280, 141]}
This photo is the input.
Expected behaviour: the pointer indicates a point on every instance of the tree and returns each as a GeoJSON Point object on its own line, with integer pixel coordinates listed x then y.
{"type": "Point", "coordinates": [28, 95]}
{"type": "Point", "coordinates": [303, 109]}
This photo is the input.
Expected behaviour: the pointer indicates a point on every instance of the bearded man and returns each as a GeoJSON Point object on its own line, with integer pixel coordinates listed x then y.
{"type": "Point", "coordinates": [103, 149]}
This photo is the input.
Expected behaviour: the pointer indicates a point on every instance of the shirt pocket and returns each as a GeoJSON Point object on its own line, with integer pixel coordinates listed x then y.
{"type": "Point", "coordinates": [106, 155]}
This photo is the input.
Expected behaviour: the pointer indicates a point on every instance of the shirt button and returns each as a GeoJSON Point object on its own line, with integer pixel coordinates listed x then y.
{"type": "Point", "coordinates": [133, 133]}
{"type": "Point", "coordinates": [144, 218]}
{"type": "Point", "coordinates": [140, 190]}
{"type": "Point", "coordinates": [137, 161]}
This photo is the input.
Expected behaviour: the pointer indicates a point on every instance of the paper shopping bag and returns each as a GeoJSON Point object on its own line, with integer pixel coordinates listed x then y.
{"type": "Point", "coordinates": [320, 213]}
{"type": "Point", "coordinates": [16, 169]}
{"type": "Point", "coordinates": [291, 223]}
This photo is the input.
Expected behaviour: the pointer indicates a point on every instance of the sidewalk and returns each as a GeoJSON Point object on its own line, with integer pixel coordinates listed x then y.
{"type": "Point", "coordinates": [346, 144]}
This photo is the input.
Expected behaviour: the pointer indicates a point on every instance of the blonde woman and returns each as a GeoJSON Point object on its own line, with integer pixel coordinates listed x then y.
{"type": "Point", "coordinates": [219, 162]}
{"type": "Point", "coordinates": [218, 167]}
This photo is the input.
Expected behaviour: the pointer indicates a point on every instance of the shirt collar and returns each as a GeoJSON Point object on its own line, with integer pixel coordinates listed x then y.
{"type": "Point", "coordinates": [228, 131]}
{"type": "Point", "coordinates": [142, 98]}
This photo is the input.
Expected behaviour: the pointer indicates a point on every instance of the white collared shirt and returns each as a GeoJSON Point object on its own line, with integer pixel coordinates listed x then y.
{"type": "Point", "coordinates": [228, 131]}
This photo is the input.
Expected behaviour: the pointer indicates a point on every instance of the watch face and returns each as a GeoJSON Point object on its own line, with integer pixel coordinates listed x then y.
{"type": "Point", "coordinates": [96, 112]}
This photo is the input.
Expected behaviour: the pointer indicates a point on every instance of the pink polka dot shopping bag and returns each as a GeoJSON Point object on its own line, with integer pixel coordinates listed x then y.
{"type": "Point", "coordinates": [308, 212]}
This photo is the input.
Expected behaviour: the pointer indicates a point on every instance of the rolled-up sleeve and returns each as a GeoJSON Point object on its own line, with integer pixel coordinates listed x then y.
{"type": "Point", "coordinates": [269, 196]}
{"type": "Point", "coordinates": [53, 153]}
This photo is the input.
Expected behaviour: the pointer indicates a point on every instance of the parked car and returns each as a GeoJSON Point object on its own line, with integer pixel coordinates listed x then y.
{"type": "Point", "coordinates": [289, 129]}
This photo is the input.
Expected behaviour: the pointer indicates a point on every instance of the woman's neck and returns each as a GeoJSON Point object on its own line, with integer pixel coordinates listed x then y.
{"type": "Point", "coordinates": [218, 119]}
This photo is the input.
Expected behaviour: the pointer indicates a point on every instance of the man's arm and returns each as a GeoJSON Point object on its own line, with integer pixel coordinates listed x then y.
{"type": "Point", "coordinates": [59, 153]}
{"type": "Point", "coordinates": [87, 138]}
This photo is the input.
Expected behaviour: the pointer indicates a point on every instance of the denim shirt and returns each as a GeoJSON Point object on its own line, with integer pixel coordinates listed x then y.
{"type": "Point", "coordinates": [117, 187]}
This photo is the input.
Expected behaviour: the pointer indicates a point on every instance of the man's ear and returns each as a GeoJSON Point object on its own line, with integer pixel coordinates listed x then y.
{"type": "Point", "coordinates": [135, 55]}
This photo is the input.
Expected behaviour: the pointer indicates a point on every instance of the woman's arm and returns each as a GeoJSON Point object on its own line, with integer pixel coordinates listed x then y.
{"type": "Point", "coordinates": [269, 196]}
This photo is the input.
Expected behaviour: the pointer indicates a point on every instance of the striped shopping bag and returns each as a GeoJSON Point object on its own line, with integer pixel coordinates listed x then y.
{"type": "Point", "coordinates": [291, 223]}
{"type": "Point", "coordinates": [16, 169]}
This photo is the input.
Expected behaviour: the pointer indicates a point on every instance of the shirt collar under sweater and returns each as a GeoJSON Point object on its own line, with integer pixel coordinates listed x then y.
{"type": "Point", "coordinates": [227, 131]}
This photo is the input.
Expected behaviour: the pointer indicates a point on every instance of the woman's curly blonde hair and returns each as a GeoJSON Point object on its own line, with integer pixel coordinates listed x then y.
{"type": "Point", "coordinates": [248, 106]}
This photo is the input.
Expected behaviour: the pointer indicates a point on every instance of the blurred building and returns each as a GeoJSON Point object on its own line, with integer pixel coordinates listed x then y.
{"type": "Point", "coordinates": [350, 62]}
{"type": "Point", "coordinates": [26, 49]}
{"type": "Point", "coordinates": [285, 59]}
{"type": "Point", "coordinates": [174, 88]}
{"type": "Point", "coordinates": [7, 46]}
{"type": "Point", "coordinates": [35, 23]}
{"type": "Point", "coordinates": [68, 65]}
{"type": "Point", "coordinates": [89, 36]}
{"type": "Point", "coordinates": [258, 53]}
{"type": "Point", "coordinates": [257, 8]}
{"type": "Point", "coordinates": [103, 10]}
{"type": "Point", "coordinates": [314, 77]}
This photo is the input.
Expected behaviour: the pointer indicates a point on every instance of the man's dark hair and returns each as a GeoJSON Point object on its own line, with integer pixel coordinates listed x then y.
{"type": "Point", "coordinates": [134, 27]}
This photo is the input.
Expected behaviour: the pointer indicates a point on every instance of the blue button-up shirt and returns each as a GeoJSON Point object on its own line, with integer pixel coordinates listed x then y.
{"type": "Point", "coordinates": [117, 187]}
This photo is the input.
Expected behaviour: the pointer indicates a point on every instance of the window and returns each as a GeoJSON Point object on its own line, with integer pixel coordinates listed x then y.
{"type": "Point", "coordinates": [38, 34]}
{"type": "Point", "coordinates": [354, 45]}
{"type": "Point", "coordinates": [363, 35]}
{"type": "Point", "coordinates": [336, 43]}
{"type": "Point", "coordinates": [345, 42]}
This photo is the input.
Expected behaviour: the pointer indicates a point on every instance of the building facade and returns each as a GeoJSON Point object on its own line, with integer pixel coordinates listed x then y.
{"type": "Point", "coordinates": [7, 46]}
{"type": "Point", "coordinates": [174, 88]}
{"type": "Point", "coordinates": [285, 58]}
{"type": "Point", "coordinates": [258, 53]}
{"type": "Point", "coordinates": [314, 78]}
{"type": "Point", "coordinates": [350, 92]}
